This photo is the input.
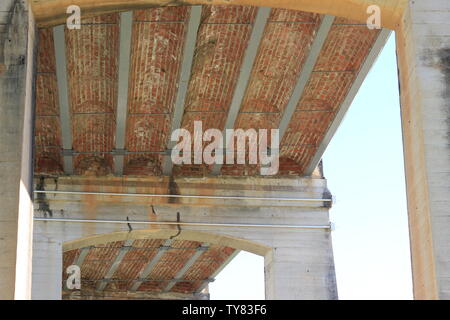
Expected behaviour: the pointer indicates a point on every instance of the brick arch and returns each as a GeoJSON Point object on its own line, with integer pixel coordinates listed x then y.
{"type": "Point", "coordinates": [188, 235]}
{"type": "Point", "coordinates": [51, 12]}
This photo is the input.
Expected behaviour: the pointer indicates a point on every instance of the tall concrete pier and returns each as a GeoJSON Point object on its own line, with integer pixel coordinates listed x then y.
{"type": "Point", "coordinates": [87, 114]}
{"type": "Point", "coordinates": [424, 63]}
{"type": "Point", "coordinates": [16, 127]}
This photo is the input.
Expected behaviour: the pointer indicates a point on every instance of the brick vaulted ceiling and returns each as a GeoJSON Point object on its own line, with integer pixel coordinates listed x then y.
{"type": "Point", "coordinates": [87, 138]}
{"type": "Point", "coordinates": [125, 270]}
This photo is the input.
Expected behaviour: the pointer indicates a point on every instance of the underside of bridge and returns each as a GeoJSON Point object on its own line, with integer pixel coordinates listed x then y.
{"type": "Point", "coordinates": [109, 95]}
{"type": "Point", "coordinates": [86, 149]}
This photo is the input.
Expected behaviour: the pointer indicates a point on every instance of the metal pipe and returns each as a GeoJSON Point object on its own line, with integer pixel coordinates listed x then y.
{"type": "Point", "coordinates": [180, 196]}
{"type": "Point", "coordinates": [197, 224]}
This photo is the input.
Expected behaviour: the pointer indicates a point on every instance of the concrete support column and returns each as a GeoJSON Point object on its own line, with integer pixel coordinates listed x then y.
{"type": "Point", "coordinates": [301, 270]}
{"type": "Point", "coordinates": [423, 42]}
{"type": "Point", "coordinates": [17, 49]}
{"type": "Point", "coordinates": [47, 269]}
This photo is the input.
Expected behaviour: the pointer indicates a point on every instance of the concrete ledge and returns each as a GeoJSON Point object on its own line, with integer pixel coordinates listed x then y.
{"type": "Point", "coordinates": [249, 187]}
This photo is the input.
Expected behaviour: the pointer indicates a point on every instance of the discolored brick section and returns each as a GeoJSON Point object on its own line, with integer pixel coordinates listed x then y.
{"type": "Point", "coordinates": [221, 44]}
{"type": "Point", "coordinates": [282, 53]}
{"type": "Point", "coordinates": [48, 144]}
{"type": "Point", "coordinates": [289, 166]}
{"type": "Point", "coordinates": [156, 56]}
{"type": "Point", "coordinates": [100, 258]}
{"type": "Point", "coordinates": [339, 62]}
{"type": "Point", "coordinates": [92, 68]}
{"type": "Point", "coordinates": [171, 262]}
{"type": "Point", "coordinates": [97, 263]}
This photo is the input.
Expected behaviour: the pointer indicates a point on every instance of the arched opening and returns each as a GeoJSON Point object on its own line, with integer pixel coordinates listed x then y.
{"type": "Point", "coordinates": [148, 264]}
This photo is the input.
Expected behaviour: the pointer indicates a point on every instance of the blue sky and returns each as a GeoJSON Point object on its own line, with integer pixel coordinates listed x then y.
{"type": "Point", "coordinates": [364, 168]}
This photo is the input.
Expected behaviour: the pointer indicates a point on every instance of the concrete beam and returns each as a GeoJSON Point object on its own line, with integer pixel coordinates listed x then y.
{"type": "Point", "coordinates": [83, 253]}
{"type": "Point", "coordinates": [115, 265]}
{"type": "Point", "coordinates": [245, 72]}
{"type": "Point", "coordinates": [17, 77]}
{"type": "Point", "coordinates": [179, 276]}
{"type": "Point", "coordinates": [367, 65]}
{"type": "Point", "coordinates": [63, 94]}
{"type": "Point", "coordinates": [151, 264]}
{"type": "Point", "coordinates": [224, 191]}
{"type": "Point", "coordinates": [185, 75]}
{"type": "Point", "coordinates": [306, 72]}
{"type": "Point", "coordinates": [126, 22]}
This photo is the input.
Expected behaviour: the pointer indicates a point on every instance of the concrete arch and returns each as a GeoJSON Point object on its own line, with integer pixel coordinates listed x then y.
{"type": "Point", "coordinates": [51, 12]}
{"type": "Point", "coordinates": [188, 235]}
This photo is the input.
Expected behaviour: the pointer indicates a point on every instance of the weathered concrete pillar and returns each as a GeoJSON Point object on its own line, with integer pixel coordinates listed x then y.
{"type": "Point", "coordinates": [301, 270]}
{"type": "Point", "coordinates": [16, 122]}
{"type": "Point", "coordinates": [423, 44]}
{"type": "Point", "coordinates": [47, 268]}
